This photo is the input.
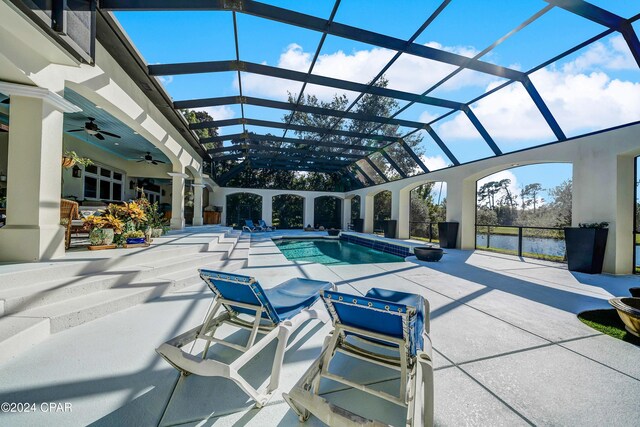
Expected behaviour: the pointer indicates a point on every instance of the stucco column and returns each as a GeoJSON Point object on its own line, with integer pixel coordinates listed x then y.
{"type": "Point", "coordinates": [198, 187]}
{"type": "Point", "coordinates": [267, 208]}
{"type": "Point", "coordinates": [603, 190]}
{"type": "Point", "coordinates": [461, 207]}
{"type": "Point", "coordinates": [308, 211]}
{"type": "Point", "coordinates": [400, 207]}
{"type": "Point", "coordinates": [177, 200]}
{"type": "Point", "coordinates": [346, 213]}
{"type": "Point", "coordinates": [33, 231]}
{"type": "Point", "coordinates": [366, 213]}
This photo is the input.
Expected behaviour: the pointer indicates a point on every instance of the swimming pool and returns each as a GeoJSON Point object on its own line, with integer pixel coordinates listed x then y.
{"type": "Point", "coordinates": [332, 252]}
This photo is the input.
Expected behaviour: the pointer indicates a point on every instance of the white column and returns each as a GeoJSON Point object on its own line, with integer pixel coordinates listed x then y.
{"type": "Point", "coordinates": [366, 212]}
{"type": "Point", "coordinates": [308, 211]}
{"type": "Point", "coordinates": [346, 213]}
{"type": "Point", "coordinates": [198, 187]}
{"type": "Point", "coordinates": [267, 208]}
{"type": "Point", "coordinates": [33, 230]}
{"type": "Point", "coordinates": [177, 199]}
{"type": "Point", "coordinates": [461, 208]}
{"type": "Point", "coordinates": [400, 207]}
{"type": "Point", "coordinates": [603, 190]}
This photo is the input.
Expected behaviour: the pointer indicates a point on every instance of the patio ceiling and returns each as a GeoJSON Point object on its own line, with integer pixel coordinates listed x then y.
{"type": "Point", "coordinates": [330, 149]}
{"type": "Point", "coordinates": [130, 146]}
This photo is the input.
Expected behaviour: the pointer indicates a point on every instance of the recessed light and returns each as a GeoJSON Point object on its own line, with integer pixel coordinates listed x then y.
{"type": "Point", "coordinates": [116, 143]}
{"type": "Point", "coordinates": [98, 107]}
{"type": "Point", "coordinates": [135, 133]}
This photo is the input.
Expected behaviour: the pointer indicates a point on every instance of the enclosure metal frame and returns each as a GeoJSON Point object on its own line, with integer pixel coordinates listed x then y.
{"type": "Point", "coordinates": [372, 141]}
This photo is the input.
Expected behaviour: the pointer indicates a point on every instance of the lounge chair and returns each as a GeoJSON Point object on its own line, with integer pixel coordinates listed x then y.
{"type": "Point", "coordinates": [397, 322]}
{"type": "Point", "coordinates": [275, 312]}
{"type": "Point", "coordinates": [250, 226]}
{"type": "Point", "coordinates": [266, 227]}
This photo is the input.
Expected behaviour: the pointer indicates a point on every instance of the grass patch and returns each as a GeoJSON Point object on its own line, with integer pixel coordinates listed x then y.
{"type": "Point", "coordinates": [608, 322]}
{"type": "Point", "coordinates": [544, 257]}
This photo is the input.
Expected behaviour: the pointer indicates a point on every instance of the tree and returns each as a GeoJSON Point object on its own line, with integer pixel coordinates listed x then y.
{"type": "Point", "coordinates": [367, 105]}
{"type": "Point", "coordinates": [531, 191]}
{"type": "Point", "coordinates": [561, 205]}
{"type": "Point", "coordinates": [193, 116]}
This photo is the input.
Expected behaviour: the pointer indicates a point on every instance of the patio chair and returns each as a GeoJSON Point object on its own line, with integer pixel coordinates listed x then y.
{"type": "Point", "coordinates": [68, 212]}
{"type": "Point", "coordinates": [397, 323]}
{"type": "Point", "coordinates": [250, 226]}
{"type": "Point", "coordinates": [266, 227]}
{"type": "Point", "coordinates": [274, 313]}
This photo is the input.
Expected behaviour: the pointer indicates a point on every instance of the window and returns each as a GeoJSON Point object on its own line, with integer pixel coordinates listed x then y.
{"type": "Point", "coordinates": [103, 183]}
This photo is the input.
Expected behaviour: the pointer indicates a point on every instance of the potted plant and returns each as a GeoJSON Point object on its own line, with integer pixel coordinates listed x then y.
{"type": "Point", "coordinates": [103, 229]}
{"type": "Point", "coordinates": [71, 158]}
{"type": "Point", "coordinates": [136, 237]}
{"type": "Point", "coordinates": [155, 220]}
{"type": "Point", "coordinates": [586, 245]}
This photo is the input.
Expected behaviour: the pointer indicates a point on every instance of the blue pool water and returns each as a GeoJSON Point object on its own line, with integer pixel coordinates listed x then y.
{"type": "Point", "coordinates": [332, 252]}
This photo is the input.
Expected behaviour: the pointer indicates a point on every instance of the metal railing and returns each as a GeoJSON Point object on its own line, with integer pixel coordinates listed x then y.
{"type": "Point", "coordinates": [532, 242]}
{"type": "Point", "coordinates": [423, 231]}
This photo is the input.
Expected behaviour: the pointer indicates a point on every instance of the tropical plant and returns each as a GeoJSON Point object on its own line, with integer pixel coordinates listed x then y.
{"type": "Point", "coordinates": [136, 234]}
{"type": "Point", "coordinates": [70, 158]}
{"type": "Point", "coordinates": [104, 221]}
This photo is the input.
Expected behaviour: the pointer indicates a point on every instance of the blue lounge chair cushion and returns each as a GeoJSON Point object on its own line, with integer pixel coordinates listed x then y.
{"type": "Point", "coordinates": [293, 295]}
{"type": "Point", "coordinates": [412, 300]}
{"type": "Point", "coordinates": [381, 311]}
{"type": "Point", "coordinates": [281, 302]}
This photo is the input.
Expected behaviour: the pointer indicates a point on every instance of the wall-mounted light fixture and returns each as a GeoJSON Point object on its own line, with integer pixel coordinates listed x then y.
{"type": "Point", "coordinates": [76, 172]}
{"type": "Point", "coordinates": [3, 177]}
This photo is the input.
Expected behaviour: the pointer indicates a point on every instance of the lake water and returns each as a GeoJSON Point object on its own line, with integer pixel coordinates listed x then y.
{"type": "Point", "coordinates": [536, 245]}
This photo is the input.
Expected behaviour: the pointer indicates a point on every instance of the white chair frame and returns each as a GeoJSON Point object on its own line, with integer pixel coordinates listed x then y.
{"type": "Point", "coordinates": [172, 351]}
{"type": "Point", "coordinates": [416, 376]}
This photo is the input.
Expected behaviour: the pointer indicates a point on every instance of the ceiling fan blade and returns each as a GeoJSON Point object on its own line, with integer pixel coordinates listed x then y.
{"type": "Point", "coordinates": [140, 161]}
{"type": "Point", "coordinates": [109, 134]}
{"type": "Point", "coordinates": [153, 162]}
{"type": "Point", "coordinates": [99, 136]}
{"type": "Point", "coordinates": [160, 161]}
{"type": "Point", "coordinates": [76, 130]}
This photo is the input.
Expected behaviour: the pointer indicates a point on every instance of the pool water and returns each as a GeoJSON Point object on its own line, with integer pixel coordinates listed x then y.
{"type": "Point", "coordinates": [332, 252]}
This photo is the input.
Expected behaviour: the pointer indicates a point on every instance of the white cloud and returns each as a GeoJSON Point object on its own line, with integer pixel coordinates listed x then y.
{"type": "Point", "coordinates": [166, 80]}
{"type": "Point", "coordinates": [581, 95]}
{"type": "Point", "coordinates": [434, 163]}
{"type": "Point", "coordinates": [426, 117]}
{"type": "Point", "coordinates": [409, 73]}
{"type": "Point", "coordinates": [222, 112]}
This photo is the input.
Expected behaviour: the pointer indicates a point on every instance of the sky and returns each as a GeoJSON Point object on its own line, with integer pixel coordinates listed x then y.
{"type": "Point", "coordinates": [594, 88]}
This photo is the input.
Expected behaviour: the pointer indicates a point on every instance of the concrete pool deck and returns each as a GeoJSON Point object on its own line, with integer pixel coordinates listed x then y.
{"type": "Point", "coordinates": [508, 350]}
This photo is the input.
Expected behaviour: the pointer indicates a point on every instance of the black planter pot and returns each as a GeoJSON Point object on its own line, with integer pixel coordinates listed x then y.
{"type": "Point", "coordinates": [448, 234]}
{"type": "Point", "coordinates": [358, 225]}
{"type": "Point", "coordinates": [389, 228]}
{"type": "Point", "coordinates": [333, 232]}
{"type": "Point", "coordinates": [585, 248]}
{"type": "Point", "coordinates": [424, 253]}
{"type": "Point", "coordinates": [635, 292]}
